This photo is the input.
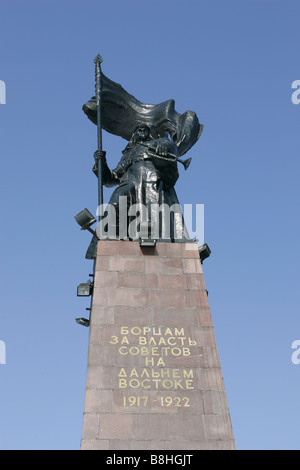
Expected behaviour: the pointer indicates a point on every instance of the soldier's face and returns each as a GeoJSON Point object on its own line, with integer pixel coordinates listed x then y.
{"type": "Point", "coordinates": [142, 133]}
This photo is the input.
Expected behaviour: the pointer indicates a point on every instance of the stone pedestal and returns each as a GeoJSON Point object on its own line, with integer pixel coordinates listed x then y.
{"type": "Point", "coordinates": [154, 379]}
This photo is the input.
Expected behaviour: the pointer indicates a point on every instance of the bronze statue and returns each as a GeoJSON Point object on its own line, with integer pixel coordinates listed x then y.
{"type": "Point", "coordinates": [146, 175]}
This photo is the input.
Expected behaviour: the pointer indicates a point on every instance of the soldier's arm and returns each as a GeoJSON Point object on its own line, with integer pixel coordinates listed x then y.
{"type": "Point", "coordinates": [109, 177]}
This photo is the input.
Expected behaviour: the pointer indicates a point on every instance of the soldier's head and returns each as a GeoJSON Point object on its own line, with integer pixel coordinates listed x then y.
{"type": "Point", "coordinates": [141, 133]}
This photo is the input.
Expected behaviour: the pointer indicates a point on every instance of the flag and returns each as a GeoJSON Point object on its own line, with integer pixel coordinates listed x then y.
{"type": "Point", "coordinates": [121, 113]}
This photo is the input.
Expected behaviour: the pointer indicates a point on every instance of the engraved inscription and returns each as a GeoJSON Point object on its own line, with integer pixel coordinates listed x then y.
{"type": "Point", "coordinates": [155, 345]}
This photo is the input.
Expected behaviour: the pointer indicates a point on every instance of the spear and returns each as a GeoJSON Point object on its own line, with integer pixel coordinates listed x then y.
{"type": "Point", "coordinates": [99, 155]}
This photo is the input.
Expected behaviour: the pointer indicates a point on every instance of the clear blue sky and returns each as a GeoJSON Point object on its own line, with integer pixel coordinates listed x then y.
{"type": "Point", "coordinates": [233, 63]}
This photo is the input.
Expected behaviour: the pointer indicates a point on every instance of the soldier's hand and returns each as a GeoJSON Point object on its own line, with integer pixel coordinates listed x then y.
{"type": "Point", "coordinates": [100, 154]}
{"type": "Point", "coordinates": [162, 149]}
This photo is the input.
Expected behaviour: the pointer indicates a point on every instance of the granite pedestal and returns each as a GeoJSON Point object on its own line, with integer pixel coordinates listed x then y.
{"type": "Point", "coordinates": [154, 379]}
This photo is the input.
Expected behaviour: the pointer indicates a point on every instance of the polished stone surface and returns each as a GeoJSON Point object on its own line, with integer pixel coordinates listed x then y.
{"type": "Point", "coordinates": [154, 379]}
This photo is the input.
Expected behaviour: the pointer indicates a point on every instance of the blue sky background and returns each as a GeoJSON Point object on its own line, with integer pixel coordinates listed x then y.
{"type": "Point", "coordinates": [233, 63]}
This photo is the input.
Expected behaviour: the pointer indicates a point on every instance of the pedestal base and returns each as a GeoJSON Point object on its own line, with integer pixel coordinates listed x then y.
{"type": "Point", "coordinates": [154, 379]}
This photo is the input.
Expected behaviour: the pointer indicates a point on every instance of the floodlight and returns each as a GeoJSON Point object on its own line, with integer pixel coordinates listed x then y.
{"type": "Point", "coordinates": [204, 252]}
{"type": "Point", "coordinates": [83, 321]}
{"type": "Point", "coordinates": [145, 235]}
{"type": "Point", "coordinates": [85, 289]}
{"type": "Point", "coordinates": [85, 219]}
{"type": "Point", "coordinates": [147, 242]}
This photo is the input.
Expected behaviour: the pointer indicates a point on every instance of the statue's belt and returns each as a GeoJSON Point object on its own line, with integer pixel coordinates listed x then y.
{"type": "Point", "coordinates": [131, 162]}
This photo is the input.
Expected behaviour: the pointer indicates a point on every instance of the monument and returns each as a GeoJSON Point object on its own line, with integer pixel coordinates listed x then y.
{"type": "Point", "coordinates": [154, 378]}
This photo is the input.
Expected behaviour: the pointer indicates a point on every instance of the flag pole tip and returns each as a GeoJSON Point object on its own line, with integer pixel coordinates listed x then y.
{"type": "Point", "coordinates": [98, 58]}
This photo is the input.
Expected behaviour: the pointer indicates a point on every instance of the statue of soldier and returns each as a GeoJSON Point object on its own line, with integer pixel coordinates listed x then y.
{"type": "Point", "coordinates": [157, 136]}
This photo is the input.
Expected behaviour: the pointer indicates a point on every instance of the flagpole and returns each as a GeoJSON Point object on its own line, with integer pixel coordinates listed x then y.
{"type": "Point", "coordinates": [100, 154]}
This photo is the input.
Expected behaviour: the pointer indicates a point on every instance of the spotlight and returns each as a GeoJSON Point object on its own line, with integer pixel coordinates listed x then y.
{"type": "Point", "coordinates": [204, 252]}
{"type": "Point", "coordinates": [85, 219]}
{"type": "Point", "coordinates": [145, 235]}
{"type": "Point", "coordinates": [83, 321]}
{"type": "Point", "coordinates": [147, 242]}
{"type": "Point", "coordinates": [85, 289]}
